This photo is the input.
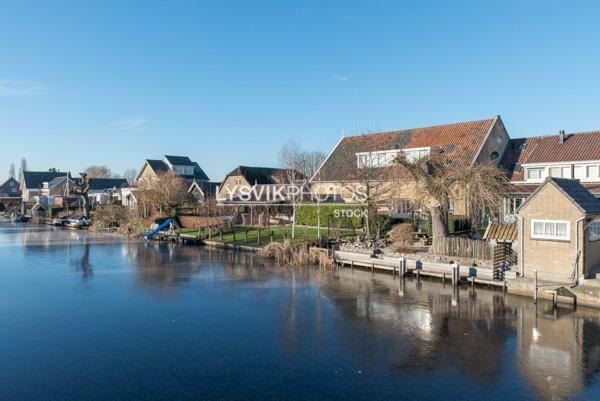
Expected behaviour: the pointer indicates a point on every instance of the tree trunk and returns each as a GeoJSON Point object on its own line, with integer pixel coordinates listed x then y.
{"type": "Point", "coordinates": [439, 225]}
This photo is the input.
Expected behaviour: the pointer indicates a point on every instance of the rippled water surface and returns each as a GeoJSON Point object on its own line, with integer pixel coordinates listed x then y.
{"type": "Point", "coordinates": [95, 317]}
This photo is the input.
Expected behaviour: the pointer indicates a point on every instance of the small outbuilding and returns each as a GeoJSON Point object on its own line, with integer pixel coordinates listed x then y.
{"type": "Point", "coordinates": [559, 232]}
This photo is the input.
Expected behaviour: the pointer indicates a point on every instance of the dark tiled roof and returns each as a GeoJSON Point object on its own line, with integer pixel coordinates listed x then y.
{"type": "Point", "coordinates": [100, 184]}
{"type": "Point", "coordinates": [180, 160]}
{"type": "Point", "coordinates": [199, 174]}
{"type": "Point", "coordinates": [460, 142]}
{"type": "Point", "coordinates": [525, 189]}
{"type": "Point", "coordinates": [157, 165]}
{"type": "Point", "coordinates": [35, 179]}
{"type": "Point", "coordinates": [259, 175]}
{"type": "Point", "coordinates": [207, 187]}
{"type": "Point", "coordinates": [573, 190]}
{"type": "Point", "coordinates": [6, 190]}
{"type": "Point", "coordinates": [583, 146]}
{"type": "Point", "coordinates": [578, 194]}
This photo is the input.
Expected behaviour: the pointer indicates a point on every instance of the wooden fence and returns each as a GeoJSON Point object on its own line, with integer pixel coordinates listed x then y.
{"type": "Point", "coordinates": [462, 247]}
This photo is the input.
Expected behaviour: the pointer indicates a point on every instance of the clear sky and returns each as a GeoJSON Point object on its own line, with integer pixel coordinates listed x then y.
{"type": "Point", "coordinates": [228, 83]}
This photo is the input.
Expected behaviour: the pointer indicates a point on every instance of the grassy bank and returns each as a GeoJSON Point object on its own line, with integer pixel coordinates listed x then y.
{"type": "Point", "coordinates": [252, 236]}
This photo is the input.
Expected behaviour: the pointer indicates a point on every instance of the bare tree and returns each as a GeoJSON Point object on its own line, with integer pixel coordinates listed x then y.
{"type": "Point", "coordinates": [130, 174]}
{"type": "Point", "coordinates": [11, 170]}
{"type": "Point", "coordinates": [96, 171]}
{"type": "Point", "coordinates": [292, 159]}
{"type": "Point", "coordinates": [163, 194]}
{"type": "Point", "coordinates": [23, 168]}
{"type": "Point", "coordinates": [439, 180]}
{"type": "Point", "coordinates": [373, 187]}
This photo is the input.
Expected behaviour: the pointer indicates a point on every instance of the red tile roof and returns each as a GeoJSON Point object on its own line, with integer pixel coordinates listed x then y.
{"type": "Point", "coordinates": [460, 142]}
{"type": "Point", "coordinates": [582, 146]}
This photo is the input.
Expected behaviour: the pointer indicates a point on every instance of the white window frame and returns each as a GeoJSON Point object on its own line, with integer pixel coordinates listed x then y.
{"type": "Point", "coordinates": [594, 230]}
{"type": "Point", "coordinates": [384, 158]}
{"type": "Point", "coordinates": [553, 237]}
{"type": "Point", "coordinates": [542, 171]}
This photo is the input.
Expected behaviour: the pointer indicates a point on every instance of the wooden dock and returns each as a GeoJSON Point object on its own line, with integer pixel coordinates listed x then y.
{"type": "Point", "coordinates": [421, 268]}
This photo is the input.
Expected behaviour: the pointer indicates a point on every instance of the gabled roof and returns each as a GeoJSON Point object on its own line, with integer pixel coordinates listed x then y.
{"type": "Point", "coordinates": [35, 179]}
{"type": "Point", "coordinates": [572, 189]}
{"type": "Point", "coordinates": [6, 190]}
{"type": "Point", "coordinates": [460, 142]}
{"type": "Point", "coordinates": [259, 175]}
{"type": "Point", "coordinates": [577, 147]}
{"type": "Point", "coordinates": [180, 160]}
{"type": "Point", "coordinates": [101, 184]}
{"type": "Point", "coordinates": [159, 166]}
{"type": "Point", "coordinates": [207, 187]}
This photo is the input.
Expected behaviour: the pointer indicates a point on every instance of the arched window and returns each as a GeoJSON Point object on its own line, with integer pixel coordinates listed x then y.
{"type": "Point", "coordinates": [494, 155]}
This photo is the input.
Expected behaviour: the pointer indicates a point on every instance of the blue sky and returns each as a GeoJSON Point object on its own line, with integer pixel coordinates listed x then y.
{"type": "Point", "coordinates": [228, 82]}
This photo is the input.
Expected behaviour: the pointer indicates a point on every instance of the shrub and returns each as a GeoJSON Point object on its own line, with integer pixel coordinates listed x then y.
{"type": "Point", "coordinates": [306, 214]}
{"type": "Point", "coordinates": [402, 237]}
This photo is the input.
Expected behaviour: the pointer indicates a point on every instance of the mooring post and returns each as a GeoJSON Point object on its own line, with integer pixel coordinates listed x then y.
{"type": "Point", "coordinates": [352, 265]}
{"type": "Point", "coordinates": [402, 266]}
{"type": "Point", "coordinates": [455, 274]}
{"type": "Point", "coordinates": [372, 269]}
{"type": "Point", "coordinates": [554, 298]}
{"type": "Point", "coordinates": [535, 285]}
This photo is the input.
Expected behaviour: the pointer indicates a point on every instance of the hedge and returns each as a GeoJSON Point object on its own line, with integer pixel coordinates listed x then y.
{"type": "Point", "coordinates": [306, 214]}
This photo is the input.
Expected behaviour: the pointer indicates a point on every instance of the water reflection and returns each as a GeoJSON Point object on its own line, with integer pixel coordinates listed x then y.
{"type": "Point", "coordinates": [387, 326]}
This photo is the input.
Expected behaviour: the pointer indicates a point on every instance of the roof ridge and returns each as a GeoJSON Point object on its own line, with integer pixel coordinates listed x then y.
{"type": "Point", "coordinates": [543, 136]}
{"type": "Point", "coordinates": [425, 127]}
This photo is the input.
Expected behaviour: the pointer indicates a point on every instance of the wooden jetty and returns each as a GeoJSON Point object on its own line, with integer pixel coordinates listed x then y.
{"type": "Point", "coordinates": [421, 268]}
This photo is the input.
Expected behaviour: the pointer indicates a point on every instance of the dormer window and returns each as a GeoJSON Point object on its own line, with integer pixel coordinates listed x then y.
{"type": "Point", "coordinates": [535, 173]}
{"type": "Point", "coordinates": [384, 158]}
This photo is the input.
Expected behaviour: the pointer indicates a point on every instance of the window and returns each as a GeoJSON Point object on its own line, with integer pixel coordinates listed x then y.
{"type": "Point", "coordinates": [579, 172]}
{"type": "Point", "coordinates": [595, 231]}
{"type": "Point", "coordinates": [384, 158]}
{"type": "Point", "coordinates": [560, 172]}
{"type": "Point", "coordinates": [376, 159]}
{"type": "Point", "coordinates": [494, 155]}
{"type": "Point", "coordinates": [550, 230]}
{"type": "Point", "coordinates": [592, 171]}
{"type": "Point", "coordinates": [535, 173]}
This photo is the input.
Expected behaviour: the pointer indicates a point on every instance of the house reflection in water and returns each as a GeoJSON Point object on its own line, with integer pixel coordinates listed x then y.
{"type": "Point", "coordinates": [479, 333]}
{"type": "Point", "coordinates": [559, 351]}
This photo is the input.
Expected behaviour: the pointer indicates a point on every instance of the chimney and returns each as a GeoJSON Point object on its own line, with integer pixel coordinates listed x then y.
{"type": "Point", "coordinates": [561, 136]}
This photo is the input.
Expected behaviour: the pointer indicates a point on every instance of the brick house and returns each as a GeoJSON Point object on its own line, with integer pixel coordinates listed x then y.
{"type": "Point", "coordinates": [559, 231]}
{"type": "Point", "coordinates": [32, 182]}
{"type": "Point", "coordinates": [465, 143]}
{"type": "Point", "coordinates": [197, 182]}
{"type": "Point", "coordinates": [10, 193]}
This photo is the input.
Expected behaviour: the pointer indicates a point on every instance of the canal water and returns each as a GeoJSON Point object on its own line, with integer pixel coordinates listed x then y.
{"type": "Point", "coordinates": [93, 317]}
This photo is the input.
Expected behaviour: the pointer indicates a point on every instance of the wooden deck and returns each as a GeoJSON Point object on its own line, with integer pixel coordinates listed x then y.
{"type": "Point", "coordinates": [424, 268]}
